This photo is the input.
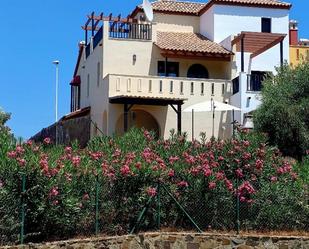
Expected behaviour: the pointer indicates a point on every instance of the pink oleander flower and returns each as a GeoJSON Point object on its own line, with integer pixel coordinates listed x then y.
{"type": "Point", "coordinates": [239, 173]}
{"type": "Point", "coordinates": [12, 154]}
{"type": "Point", "coordinates": [19, 150]}
{"type": "Point", "coordinates": [151, 192]}
{"type": "Point", "coordinates": [274, 179]}
{"type": "Point", "coordinates": [246, 155]}
{"type": "Point", "coordinates": [47, 141]}
{"type": "Point", "coordinates": [183, 184]}
{"type": "Point", "coordinates": [21, 162]}
{"type": "Point", "coordinates": [212, 185]}
{"type": "Point", "coordinates": [68, 150]}
{"type": "Point", "coordinates": [1, 183]}
{"type": "Point", "coordinates": [259, 164]}
{"type": "Point", "coordinates": [125, 170]}
{"type": "Point", "coordinates": [220, 175]}
{"type": "Point", "coordinates": [29, 142]}
{"type": "Point", "coordinates": [55, 202]}
{"type": "Point", "coordinates": [53, 192]}
{"type": "Point", "coordinates": [138, 165]}
{"type": "Point", "coordinates": [171, 173]}
{"type": "Point", "coordinates": [294, 175]}
{"type": "Point", "coordinates": [173, 159]}
{"type": "Point", "coordinates": [221, 158]}
{"type": "Point", "coordinates": [246, 143]}
{"type": "Point", "coordinates": [228, 184]}
{"type": "Point", "coordinates": [307, 152]}
{"type": "Point", "coordinates": [207, 172]}
{"type": "Point", "coordinates": [76, 161]}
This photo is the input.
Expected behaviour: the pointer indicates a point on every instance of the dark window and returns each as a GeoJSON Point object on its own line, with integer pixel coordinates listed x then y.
{"type": "Point", "coordinates": [255, 80]}
{"type": "Point", "coordinates": [181, 87]}
{"type": "Point", "coordinates": [160, 86]}
{"type": "Point", "coordinates": [172, 69]}
{"type": "Point", "coordinates": [266, 25]}
{"type": "Point", "coordinates": [202, 88]}
{"type": "Point", "coordinates": [198, 71]}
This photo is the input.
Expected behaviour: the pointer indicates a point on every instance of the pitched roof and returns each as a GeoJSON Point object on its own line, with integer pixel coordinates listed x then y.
{"type": "Point", "coordinates": [251, 3]}
{"type": "Point", "coordinates": [189, 42]}
{"type": "Point", "coordinates": [194, 8]}
{"type": "Point", "coordinates": [173, 6]}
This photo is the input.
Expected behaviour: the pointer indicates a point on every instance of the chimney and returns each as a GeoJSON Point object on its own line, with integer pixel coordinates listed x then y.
{"type": "Point", "coordinates": [293, 33]}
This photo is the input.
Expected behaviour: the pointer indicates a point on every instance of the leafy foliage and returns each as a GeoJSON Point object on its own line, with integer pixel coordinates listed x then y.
{"type": "Point", "coordinates": [284, 114]}
{"type": "Point", "coordinates": [205, 177]}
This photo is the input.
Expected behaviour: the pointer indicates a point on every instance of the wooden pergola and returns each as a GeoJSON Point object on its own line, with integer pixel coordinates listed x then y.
{"type": "Point", "coordinates": [257, 43]}
{"type": "Point", "coordinates": [93, 21]}
{"type": "Point", "coordinates": [129, 101]}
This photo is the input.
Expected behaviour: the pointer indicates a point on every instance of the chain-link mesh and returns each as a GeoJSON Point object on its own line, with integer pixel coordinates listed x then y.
{"type": "Point", "coordinates": [116, 208]}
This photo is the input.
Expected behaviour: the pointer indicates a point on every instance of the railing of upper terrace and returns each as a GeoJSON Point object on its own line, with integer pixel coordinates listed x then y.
{"type": "Point", "coordinates": [129, 30]}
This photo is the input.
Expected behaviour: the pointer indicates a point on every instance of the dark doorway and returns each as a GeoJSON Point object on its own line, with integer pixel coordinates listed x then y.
{"type": "Point", "coordinates": [198, 71]}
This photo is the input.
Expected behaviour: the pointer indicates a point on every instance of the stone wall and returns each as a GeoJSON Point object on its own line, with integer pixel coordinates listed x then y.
{"type": "Point", "coordinates": [177, 241]}
{"type": "Point", "coordinates": [68, 131]}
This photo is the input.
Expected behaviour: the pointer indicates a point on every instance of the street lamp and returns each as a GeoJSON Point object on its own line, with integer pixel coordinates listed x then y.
{"type": "Point", "coordinates": [56, 63]}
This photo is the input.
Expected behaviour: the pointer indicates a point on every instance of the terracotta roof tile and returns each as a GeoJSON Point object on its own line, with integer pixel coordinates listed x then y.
{"type": "Point", "coordinates": [188, 42]}
{"type": "Point", "coordinates": [178, 6]}
{"type": "Point", "coordinates": [194, 8]}
{"type": "Point", "coordinates": [270, 3]}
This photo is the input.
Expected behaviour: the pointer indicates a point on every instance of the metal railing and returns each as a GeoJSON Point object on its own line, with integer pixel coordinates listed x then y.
{"type": "Point", "coordinates": [127, 30]}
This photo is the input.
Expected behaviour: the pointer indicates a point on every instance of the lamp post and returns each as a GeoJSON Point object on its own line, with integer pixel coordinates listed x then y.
{"type": "Point", "coordinates": [56, 63]}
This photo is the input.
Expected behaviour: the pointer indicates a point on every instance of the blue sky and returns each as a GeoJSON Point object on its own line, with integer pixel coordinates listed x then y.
{"type": "Point", "coordinates": [36, 32]}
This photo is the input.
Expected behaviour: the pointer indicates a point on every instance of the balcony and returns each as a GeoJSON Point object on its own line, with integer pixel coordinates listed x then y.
{"type": "Point", "coordinates": [157, 87]}
{"type": "Point", "coordinates": [129, 30]}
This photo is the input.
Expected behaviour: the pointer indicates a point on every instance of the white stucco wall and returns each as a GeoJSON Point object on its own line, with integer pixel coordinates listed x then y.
{"type": "Point", "coordinates": [231, 20]}
{"type": "Point", "coordinates": [207, 24]}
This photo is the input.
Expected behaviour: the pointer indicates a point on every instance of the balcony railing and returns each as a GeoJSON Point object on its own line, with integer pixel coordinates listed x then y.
{"type": "Point", "coordinates": [166, 87]}
{"type": "Point", "coordinates": [127, 30]}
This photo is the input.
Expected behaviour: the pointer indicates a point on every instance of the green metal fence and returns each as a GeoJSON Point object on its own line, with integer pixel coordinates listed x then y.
{"type": "Point", "coordinates": [114, 210]}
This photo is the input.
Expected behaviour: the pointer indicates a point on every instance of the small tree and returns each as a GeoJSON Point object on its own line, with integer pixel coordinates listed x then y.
{"type": "Point", "coordinates": [284, 113]}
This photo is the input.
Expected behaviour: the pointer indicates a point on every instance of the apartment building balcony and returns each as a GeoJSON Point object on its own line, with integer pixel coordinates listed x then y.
{"type": "Point", "coordinates": [154, 88]}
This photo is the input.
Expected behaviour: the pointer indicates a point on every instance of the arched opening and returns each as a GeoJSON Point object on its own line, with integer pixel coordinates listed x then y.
{"type": "Point", "coordinates": [198, 71]}
{"type": "Point", "coordinates": [138, 119]}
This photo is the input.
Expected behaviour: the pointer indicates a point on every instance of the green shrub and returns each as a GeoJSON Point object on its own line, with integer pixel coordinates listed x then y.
{"type": "Point", "coordinates": [205, 177]}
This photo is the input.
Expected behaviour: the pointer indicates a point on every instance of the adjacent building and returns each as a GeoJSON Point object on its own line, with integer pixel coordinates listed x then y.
{"type": "Point", "coordinates": [299, 48]}
{"type": "Point", "coordinates": [131, 72]}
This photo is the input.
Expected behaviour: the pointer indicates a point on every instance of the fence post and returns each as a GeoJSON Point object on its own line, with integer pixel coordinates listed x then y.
{"type": "Point", "coordinates": [159, 207]}
{"type": "Point", "coordinates": [237, 207]}
{"type": "Point", "coordinates": [97, 206]}
{"type": "Point", "coordinates": [22, 227]}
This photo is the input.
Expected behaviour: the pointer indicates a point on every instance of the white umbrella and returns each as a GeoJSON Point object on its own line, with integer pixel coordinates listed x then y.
{"type": "Point", "coordinates": [210, 106]}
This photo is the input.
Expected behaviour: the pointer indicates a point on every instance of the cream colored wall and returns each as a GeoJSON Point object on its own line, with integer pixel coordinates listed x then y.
{"type": "Point", "coordinates": [303, 55]}
{"type": "Point", "coordinates": [177, 23]}
{"type": "Point", "coordinates": [116, 57]}
{"type": "Point", "coordinates": [165, 115]}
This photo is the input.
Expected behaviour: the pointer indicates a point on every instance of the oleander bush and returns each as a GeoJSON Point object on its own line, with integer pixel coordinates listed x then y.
{"type": "Point", "coordinates": [118, 175]}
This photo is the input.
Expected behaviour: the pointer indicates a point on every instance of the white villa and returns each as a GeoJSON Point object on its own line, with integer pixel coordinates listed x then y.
{"type": "Point", "coordinates": [134, 73]}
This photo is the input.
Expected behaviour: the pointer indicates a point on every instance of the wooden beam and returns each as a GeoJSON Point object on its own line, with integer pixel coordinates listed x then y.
{"type": "Point", "coordinates": [90, 28]}
{"type": "Point", "coordinates": [268, 46]}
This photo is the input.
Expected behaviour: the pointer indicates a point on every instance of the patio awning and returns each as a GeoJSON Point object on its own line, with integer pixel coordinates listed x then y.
{"type": "Point", "coordinates": [209, 106]}
{"type": "Point", "coordinates": [144, 100]}
{"type": "Point", "coordinates": [257, 42]}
